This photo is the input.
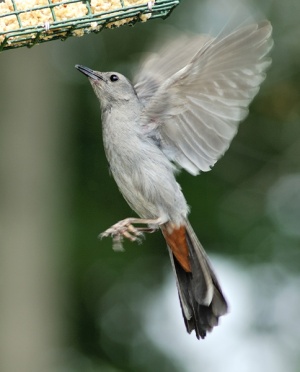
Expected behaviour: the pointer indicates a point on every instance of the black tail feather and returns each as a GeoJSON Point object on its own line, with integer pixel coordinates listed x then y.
{"type": "Point", "coordinates": [194, 288]}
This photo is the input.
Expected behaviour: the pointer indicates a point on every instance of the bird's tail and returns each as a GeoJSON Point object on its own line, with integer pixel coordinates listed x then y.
{"type": "Point", "coordinates": [200, 294]}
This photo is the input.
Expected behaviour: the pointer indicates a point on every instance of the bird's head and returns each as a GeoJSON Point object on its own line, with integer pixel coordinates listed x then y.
{"type": "Point", "coordinates": [110, 87]}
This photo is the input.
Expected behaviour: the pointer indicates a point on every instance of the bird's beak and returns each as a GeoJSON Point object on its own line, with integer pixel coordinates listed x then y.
{"type": "Point", "coordinates": [89, 73]}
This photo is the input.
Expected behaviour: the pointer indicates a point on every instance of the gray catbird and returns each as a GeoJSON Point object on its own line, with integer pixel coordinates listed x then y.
{"type": "Point", "coordinates": [183, 112]}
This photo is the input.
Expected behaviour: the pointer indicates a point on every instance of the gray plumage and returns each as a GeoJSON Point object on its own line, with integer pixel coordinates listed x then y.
{"type": "Point", "coordinates": [183, 112]}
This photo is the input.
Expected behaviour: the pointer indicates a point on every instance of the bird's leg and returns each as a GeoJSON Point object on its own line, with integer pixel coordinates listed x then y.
{"type": "Point", "coordinates": [126, 229]}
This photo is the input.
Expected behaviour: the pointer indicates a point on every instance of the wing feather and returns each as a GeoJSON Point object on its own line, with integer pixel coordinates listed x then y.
{"type": "Point", "coordinates": [197, 103]}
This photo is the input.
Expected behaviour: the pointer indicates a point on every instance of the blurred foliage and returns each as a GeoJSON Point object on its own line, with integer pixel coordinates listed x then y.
{"type": "Point", "coordinates": [232, 206]}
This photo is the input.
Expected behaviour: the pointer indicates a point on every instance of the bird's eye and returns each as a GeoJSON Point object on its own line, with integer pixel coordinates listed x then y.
{"type": "Point", "coordinates": [114, 78]}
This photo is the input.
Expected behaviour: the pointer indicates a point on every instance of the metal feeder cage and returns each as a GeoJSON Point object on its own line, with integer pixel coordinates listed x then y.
{"type": "Point", "coordinates": [30, 22]}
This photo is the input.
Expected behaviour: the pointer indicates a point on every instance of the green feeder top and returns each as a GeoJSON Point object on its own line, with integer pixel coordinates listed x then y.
{"type": "Point", "coordinates": [30, 22]}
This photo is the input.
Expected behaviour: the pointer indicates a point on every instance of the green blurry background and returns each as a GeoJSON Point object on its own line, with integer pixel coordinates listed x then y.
{"type": "Point", "coordinates": [67, 301]}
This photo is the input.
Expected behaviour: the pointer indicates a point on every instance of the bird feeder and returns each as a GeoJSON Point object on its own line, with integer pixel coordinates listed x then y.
{"type": "Point", "coordinates": [30, 22]}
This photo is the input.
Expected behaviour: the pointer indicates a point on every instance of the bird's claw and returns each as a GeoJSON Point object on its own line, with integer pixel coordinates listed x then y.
{"type": "Point", "coordinates": [121, 230]}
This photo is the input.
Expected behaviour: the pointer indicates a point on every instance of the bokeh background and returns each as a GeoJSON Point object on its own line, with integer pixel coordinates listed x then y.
{"type": "Point", "coordinates": [67, 301]}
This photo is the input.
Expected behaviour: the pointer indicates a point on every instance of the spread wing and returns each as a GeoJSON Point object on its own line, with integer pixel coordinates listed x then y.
{"type": "Point", "coordinates": [195, 99]}
{"type": "Point", "coordinates": [158, 67]}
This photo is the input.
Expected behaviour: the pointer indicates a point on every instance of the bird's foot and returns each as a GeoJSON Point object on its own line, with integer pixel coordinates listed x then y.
{"type": "Point", "coordinates": [126, 229]}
